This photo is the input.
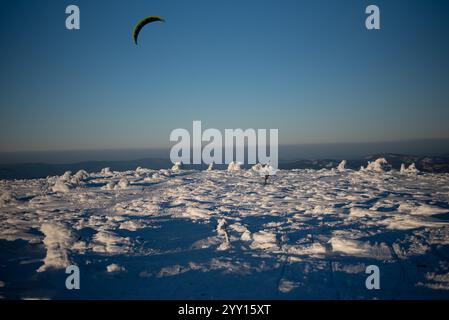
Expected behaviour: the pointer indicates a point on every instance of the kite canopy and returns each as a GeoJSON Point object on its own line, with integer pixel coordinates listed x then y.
{"type": "Point", "coordinates": [142, 23]}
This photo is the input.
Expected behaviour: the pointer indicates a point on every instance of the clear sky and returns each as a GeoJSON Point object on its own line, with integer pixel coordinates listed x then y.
{"type": "Point", "coordinates": [308, 68]}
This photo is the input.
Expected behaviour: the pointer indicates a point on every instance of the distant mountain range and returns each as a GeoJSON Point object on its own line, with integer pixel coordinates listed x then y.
{"type": "Point", "coordinates": [435, 164]}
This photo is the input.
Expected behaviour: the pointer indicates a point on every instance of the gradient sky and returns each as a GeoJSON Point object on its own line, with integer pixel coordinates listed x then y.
{"type": "Point", "coordinates": [308, 68]}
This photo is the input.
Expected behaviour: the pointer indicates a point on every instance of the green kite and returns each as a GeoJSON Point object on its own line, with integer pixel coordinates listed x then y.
{"type": "Point", "coordinates": [142, 23]}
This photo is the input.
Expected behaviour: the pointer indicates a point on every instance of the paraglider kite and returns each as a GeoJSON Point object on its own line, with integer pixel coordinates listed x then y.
{"type": "Point", "coordinates": [142, 23]}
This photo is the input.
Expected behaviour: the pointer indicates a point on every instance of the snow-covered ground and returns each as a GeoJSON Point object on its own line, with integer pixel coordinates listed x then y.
{"type": "Point", "coordinates": [184, 234]}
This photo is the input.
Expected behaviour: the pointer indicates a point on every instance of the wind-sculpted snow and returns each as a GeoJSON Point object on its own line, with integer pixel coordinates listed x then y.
{"type": "Point", "coordinates": [224, 234]}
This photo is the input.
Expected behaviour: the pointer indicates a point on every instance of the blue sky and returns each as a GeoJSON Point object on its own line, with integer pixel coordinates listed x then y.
{"type": "Point", "coordinates": [308, 68]}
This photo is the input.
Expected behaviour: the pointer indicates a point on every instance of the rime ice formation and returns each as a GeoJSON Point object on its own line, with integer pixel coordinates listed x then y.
{"type": "Point", "coordinates": [234, 166]}
{"type": "Point", "coordinates": [176, 167]}
{"type": "Point", "coordinates": [379, 165]}
{"type": "Point", "coordinates": [410, 170]}
{"type": "Point", "coordinates": [342, 166]}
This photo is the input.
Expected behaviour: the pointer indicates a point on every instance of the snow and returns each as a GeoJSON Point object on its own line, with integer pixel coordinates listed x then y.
{"type": "Point", "coordinates": [360, 249]}
{"type": "Point", "coordinates": [106, 171]}
{"type": "Point", "coordinates": [342, 166]}
{"type": "Point", "coordinates": [109, 242]}
{"type": "Point", "coordinates": [122, 184]}
{"type": "Point", "coordinates": [62, 186]}
{"type": "Point", "coordinates": [115, 268]}
{"type": "Point", "coordinates": [379, 165]}
{"type": "Point", "coordinates": [58, 241]}
{"type": "Point", "coordinates": [226, 234]}
{"type": "Point", "coordinates": [234, 166]}
{"type": "Point", "coordinates": [410, 170]}
{"type": "Point", "coordinates": [176, 167]}
{"type": "Point", "coordinates": [221, 231]}
{"type": "Point", "coordinates": [286, 286]}
{"type": "Point", "coordinates": [7, 197]}
{"type": "Point", "coordinates": [264, 240]}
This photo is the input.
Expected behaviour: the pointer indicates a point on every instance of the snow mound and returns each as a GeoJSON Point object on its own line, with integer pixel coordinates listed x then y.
{"type": "Point", "coordinates": [122, 184]}
{"type": "Point", "coordinates": [67, 176]}
{"type": "Point", "coordinates": [436, 281]}
{"type": "Point", "coordinates": [142, 171]}
{"type": "Point", "coordinates": [7, 197]}
{"type": "Point", "coordinates": [360, 249]}
{"type": "Point", "coordinates": [109, 242]}
{"type": "Point", "coordinates": [257, 167]}
{"type": "Point", "coordinates": [285, 286]}
{"type": "Point", "coordinates": [109, 186]}
{"type": "Point", "coordinates": [264, 240]}
{"type": "Point", "coordinates": [307, 249]}
{"type": "Point", "coordinates": [81, 174]}
{"type": "Point", "coordinates": [234, 166]}
{"type": "Point", "coordinates": [78, 177]}
{"type": "Point", "coordinates": [342, 166]}
{"type": "Point", "coordinates": [245, 234]}
{"type": "Point", "coordinates": [379, 165]}
{"type": "Point", "coordinates": [131, 225]}
{"type": "Point", "coordinates": [221, 231]}
{"type": "Point", "coordinates": [420, 209]}
{"type": "Point", "coordinates": [106, 172]}
{"type": "Point", "coordinates": [115, 268]}
{"type": "Point", "coordinates": [176, 167]}
{"type": "Point", "coordinates": [267, 170]}
{"type": "Point", "coordinates": [197, 213]}
{"type": "Point", "coordinates": [58, 240]}
{"type": "Point", "coordinates": [62, 186]}
{"type": "Point", "coordinates": [410, 170]}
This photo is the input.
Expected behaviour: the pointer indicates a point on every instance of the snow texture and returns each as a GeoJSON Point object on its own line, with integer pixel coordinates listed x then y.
{"type": "Point", "coordinates": [223, 234]}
